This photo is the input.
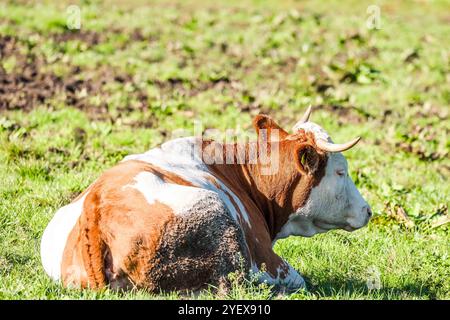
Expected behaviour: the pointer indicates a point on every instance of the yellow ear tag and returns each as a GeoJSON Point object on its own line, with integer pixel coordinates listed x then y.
{"type": "Point", "coordinates": [303, 159]}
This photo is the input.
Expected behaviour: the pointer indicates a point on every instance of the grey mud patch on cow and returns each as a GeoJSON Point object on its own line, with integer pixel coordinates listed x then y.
{"type": "Point", "coordinates": [199, 248]}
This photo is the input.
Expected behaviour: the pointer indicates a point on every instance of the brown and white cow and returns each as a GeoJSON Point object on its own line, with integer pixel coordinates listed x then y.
{"type": "Point", "coordinates": [167, 220]}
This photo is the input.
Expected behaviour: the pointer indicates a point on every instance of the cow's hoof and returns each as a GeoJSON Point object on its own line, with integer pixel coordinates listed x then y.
{"type": "Point", "coordinates": [289, 288]}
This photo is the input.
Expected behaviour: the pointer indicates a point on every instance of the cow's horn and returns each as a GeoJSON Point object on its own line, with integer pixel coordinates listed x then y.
{"type": "Point", "coordinates": [304, 119]}
{"type": "Point", "coordinates": [332, 147]}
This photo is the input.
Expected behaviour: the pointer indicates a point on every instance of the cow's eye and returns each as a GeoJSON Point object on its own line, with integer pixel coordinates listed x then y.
{"type": "Point", "coordinates": [340, 173]}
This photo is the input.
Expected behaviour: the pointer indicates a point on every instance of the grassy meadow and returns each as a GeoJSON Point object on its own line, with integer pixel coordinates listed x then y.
{"type": "Point", "coordinates": [75, 102]}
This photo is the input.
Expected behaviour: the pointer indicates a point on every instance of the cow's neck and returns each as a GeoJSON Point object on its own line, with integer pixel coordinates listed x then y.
{"type": "Point", "coordinates": [276, 195]}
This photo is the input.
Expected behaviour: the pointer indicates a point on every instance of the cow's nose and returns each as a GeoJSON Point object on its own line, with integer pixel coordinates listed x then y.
{"type": "Point", "coordinates": [368, 211]}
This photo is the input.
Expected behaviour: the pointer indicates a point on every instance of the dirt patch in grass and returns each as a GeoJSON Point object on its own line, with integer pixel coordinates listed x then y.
{"type": "Point", "coordinates": [28, 85]}
{"type": "Point", "coordinates": [92, 38]}
{"type": "Point", "coordinates": [346, 114]}
{"type": "Point", "coordinates": [423, 141]}
{"type": "Point", "coordinates": [421, 153]}
{"type": "Point", "coordinates": [25, 86]}
{"type": "Point", "coordinates": [7, 45]}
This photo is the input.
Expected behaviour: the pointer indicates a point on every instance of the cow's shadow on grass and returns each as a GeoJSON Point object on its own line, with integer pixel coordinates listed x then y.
{"type": "Point", "coordinates": [335, 287]}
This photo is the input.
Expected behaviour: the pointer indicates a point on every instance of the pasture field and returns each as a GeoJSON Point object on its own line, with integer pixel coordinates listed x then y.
{"type": "Point", "coordinates": [75, 102]}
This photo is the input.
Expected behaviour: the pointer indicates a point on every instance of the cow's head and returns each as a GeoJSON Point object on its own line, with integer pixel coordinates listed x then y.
{"type": "Point", "coordinates": [330, 197]}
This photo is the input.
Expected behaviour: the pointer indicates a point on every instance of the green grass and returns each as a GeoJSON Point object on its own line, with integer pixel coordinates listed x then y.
{"type": "Point", "coordinates": [222, 64]}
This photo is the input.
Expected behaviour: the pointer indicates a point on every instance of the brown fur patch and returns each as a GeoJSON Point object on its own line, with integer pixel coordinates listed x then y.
{"type": "Point", "coordinates": [132, 230]}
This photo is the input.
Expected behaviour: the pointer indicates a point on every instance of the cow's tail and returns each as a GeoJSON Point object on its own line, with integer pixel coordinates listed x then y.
{"type": "Point", "coordinates": [92, 245]}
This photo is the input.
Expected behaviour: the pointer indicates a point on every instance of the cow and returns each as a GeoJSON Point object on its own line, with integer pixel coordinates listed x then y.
{"type": "Point", "coordinates": [169, 220]}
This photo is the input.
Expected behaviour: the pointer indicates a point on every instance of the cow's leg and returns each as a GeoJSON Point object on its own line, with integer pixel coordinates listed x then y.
{"type": "Point", "coordinates": [290, 280]}
{"type": "Point", "coordinates": [284, 277]}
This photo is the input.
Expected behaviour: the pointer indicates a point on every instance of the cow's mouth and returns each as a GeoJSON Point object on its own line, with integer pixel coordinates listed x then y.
{"type": "Point", "coordinates": [326, 226]}
{"type": "Point", "coordinates": [349, 228]}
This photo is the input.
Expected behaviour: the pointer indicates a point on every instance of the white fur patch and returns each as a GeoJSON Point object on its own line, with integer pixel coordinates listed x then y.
{"type": "Point", "coordinates": [55, 237]}
{"type": "Point", "coordinates": [317, 130]}
{"type": "Point", "coordinates": [178, 197]}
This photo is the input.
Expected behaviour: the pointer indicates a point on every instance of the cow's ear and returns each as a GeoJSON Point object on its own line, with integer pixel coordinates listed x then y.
{"type": "Point", "coordinates": [264, 122]}
{"type": "Point", "coordinates": [307, 159]}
